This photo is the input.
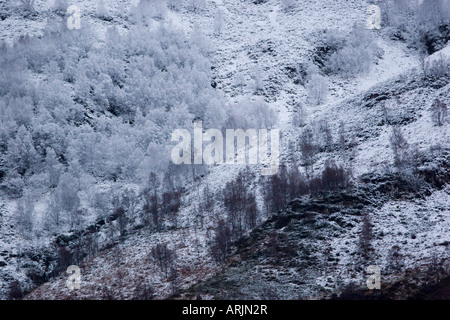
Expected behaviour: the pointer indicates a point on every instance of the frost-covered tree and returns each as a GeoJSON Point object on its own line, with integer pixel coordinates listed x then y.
{"type": "Point", "coordinates": [11, 118]}
{"type": "Point", "coordinates": [151, 209]}
{"type": "Point", "coordinates": [297, 182]}
{"type": "Point", "coordinates": [234, 197]}
{"type": "Point", "coordinates": [25, 214]}
{"type": "Point", "coordinates": [258, 78]}
{"type": "Point", "coordinates": [53, 166]}
{"type": "Point", "coordinates": [317, 89]}
{"type": "Point", "coordinates": [278, 190]}
{"type": "Point", "coordinates": [428, 31]}
{"type": "Point", "coordinates": [438, 67]}
{"type": "Point", "coordinates": [288, 4]}
{"type": "Point", "coordinates": [395, 259]}
{"type": "Point", "coordinates": [308, 149]}
{"type": "Point", "coordinates": [439, 112]}
{"type": "Point", "coordinates": [130, 200]}
{"type": "Point", "coordinates": [252, 114]}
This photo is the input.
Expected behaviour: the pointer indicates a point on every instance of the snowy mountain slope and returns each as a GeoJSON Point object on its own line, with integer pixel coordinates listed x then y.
{"type": "Point", "coordinates": [256, 44]}
{"type": "Point", "coordinates": [305, 254]}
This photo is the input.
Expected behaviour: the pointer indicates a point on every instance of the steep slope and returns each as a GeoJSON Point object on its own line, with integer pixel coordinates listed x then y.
{"type": "Point", "coordinates": [255, 54]}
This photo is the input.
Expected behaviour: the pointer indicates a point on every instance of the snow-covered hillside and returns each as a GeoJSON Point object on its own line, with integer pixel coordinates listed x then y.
{"type": "Point", "coordinates": [256, 52]}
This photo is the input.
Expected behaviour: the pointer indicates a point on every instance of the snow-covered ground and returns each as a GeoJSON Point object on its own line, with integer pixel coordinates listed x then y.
{"type": "Point", "coordinates": [259, 41]}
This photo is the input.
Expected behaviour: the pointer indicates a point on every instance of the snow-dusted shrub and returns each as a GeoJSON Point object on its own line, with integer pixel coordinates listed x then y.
{"type": "Point", "coordinates": [221, 244]}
